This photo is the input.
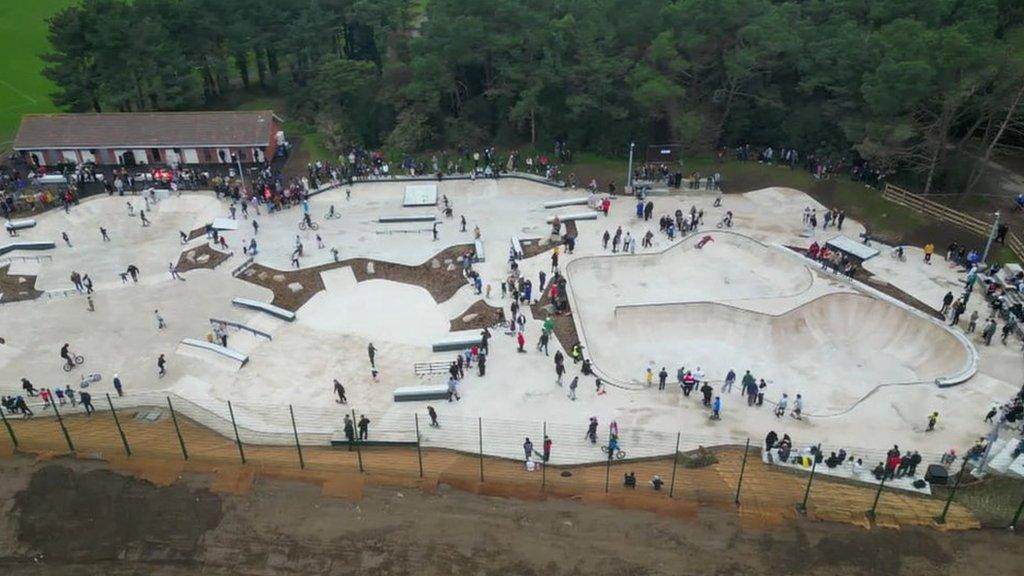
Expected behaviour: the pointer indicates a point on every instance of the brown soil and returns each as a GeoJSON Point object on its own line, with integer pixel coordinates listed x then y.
{"type": "Point", "coordinates": [16, 287]}
{"type": "Point", "coordinates": [478, 316]}
{"type": "Point", "coordinates": [81, 517]}
{"type": "Point", "coordinates": [440, 282]}
{"type": "Point", "coordinates": [536, 247]}
{"type": "Point", "coordinates": [196, 233]}
{"type": "Point", "coordinates": [190, 259]}
{"type": "Point", "coordinates": [565, 327]}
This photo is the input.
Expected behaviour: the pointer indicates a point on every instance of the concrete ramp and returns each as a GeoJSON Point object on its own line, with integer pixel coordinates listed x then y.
{"type": "Point", "coordinates": [421, 392]}
{"type": "Point", "coordinates": [264, 307]}
{"type": "Point", "coordinates": [217, 349]}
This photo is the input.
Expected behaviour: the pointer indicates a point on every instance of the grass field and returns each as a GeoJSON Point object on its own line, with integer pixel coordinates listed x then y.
{"type": "Point", "coordinates": [23, 89]}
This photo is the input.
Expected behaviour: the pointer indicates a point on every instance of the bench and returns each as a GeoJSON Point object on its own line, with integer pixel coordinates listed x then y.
{"type": "Point", "coordinates": [419, 393]}
{"type": "Point", "coordinates": [410, 218]}
{"type": "Point", "coordinates": [574, 217]}
{"type": "Point", "coordinates": [568, 202]}
{"type": "Point", "coordinates": [478, 247]}
{"type": "Point", "coordinates": [457, 342]}
{"type": "Point", "coordinates": [20, 224]}
{"type": "Point", "coordinates": [430, 368]}
{"type": "Point", "coordinates": [26, 246]}
{"type": "Point", "coordinates": [223, 351]}
{"type": "Point", "coordinates": [264, 307]}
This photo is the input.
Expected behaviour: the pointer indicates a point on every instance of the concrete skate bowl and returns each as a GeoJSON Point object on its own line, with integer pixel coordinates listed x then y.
{"type": "Point", "coordinates": [835, 350]}
{"type": "Point", "coordinates": [733, 267]}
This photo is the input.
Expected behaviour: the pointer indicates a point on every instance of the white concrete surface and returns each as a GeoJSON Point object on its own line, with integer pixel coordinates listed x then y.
{"type": "Point", "coordinates": [751, 309]}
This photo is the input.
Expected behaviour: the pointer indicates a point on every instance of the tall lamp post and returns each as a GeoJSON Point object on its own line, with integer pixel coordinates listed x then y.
{"type": "Point", "coordinates": [629, 175]}
{"type": "Point", "coordinates": [991, 238]}
{"type": "Point", "coordinates": [241, 175]}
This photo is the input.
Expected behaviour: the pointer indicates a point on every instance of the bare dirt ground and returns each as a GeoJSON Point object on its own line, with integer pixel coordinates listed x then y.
{"type": "Point", "coordinates": [15, 287]}
{"type": "Point", "coordinates": [202, 256]}
{"type": "Point", "coordinates": [434, 276]}
{"type": "Point", "coordinates": [479, 315]}
{"type": "Point", "coordinates": [72, 517]}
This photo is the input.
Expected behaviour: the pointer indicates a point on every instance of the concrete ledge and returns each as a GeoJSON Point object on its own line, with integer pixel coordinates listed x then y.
{"type": "Point", "coordinates": [409, 218]}
{"type": "Point", "coordinates": [254, 331]}
{"type": "Point", "coordinates": [458, 341]}
{"type": "Point", "coordinates": [478, 247]}
{"type": "Point", "coordinates": [574, 217]}
{"type": "Point", "coordinates": [264, 307]}
{"type": "Point", "coordinates": [226, 352]}
{"type": "Point", "coordinates": [20, 224]}
{"type": "Point", "coordinates": [567, 202]}
{"type": "Point", "coordinates": [26, 246]}
{"type": "Point", "coordinates": [423, 392]}
{"type": "Point", "coordinates": [517, 246]}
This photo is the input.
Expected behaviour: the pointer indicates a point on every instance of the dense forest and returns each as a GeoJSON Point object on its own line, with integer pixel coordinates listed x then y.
{"type": "Point", "coordinates": [927, 87]}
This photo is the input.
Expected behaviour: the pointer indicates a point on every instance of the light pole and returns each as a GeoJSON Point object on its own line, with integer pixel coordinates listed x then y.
{"type": "Point", "coordinates": [241, 175]}
{"type": "Point", "coordinates": [991, 238]}
{"type": "Point", "coordinates": [629, 175]}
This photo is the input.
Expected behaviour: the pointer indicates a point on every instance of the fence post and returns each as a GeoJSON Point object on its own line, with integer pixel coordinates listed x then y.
{"type": "Point", "coordinates": [949, 501]}
{"type": "Point", "coordinates": [117, 422]}
{"type": "Point", "coordinates": [419, 451]}
{"type": "Point", "coordinates": [60, 420]}
{"type": "Point", "coordinates": [181, 439]}
{"type": "Point", "coordinates": [238, 440]}
{"type": "Point", "coordinates": [743, 468]}
{"type": "Point", "coordinates": [1016, 517]}
{"type": "Point", "coordinates": [295, 432]}
{"type": "Point", "coordinates": [10, 431]}
{"type": "Point", "coordinates": [874, 505]}
{"type": "Point", "coordinates": [359, 449]}
{"type": "Point", "coordinates": [544, 468]}
{"type": "Point", "coordinates": [480, 435]}
{"type": "Point", "coordinates": [675, 464]}
{"type": "Point", "coordinates": [802, 507]}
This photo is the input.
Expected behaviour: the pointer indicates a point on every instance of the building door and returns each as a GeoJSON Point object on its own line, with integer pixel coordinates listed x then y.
{"type": "Point", "coordinates": [127, 158]}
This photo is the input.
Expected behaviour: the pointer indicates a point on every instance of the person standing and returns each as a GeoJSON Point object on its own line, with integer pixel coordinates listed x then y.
{"type": "Point", "coordinates": [528, 449]}
{"type": "Point", "coordinates": [662, 378]}
{"type": "Point", "coordinates": [730, 379]}
{"type": "Point", "coordinates": [521, 341]}
{"type": "Point", "coordinates": [160, 324]}
{"type": "Point", "coordinates": [798, 407]}
{"type": "Point", "coordinates": [572, 387]}
{"type": "Point", "coordinates": [86, 400]}
{"type": "Point", "coordinates": [929, 248]}
{"type": "Point", "coordinates": [117, 385]}
{"type": "Point", "coordinates": [173, 271]}
{"type": "Point", "coordinates": [546, 451]}
{"type": "Point", "coordinates": [103, 233]}
{"type": "Point", "coordinates": [340, 391]}
{"type": "Point", "coordinates": [433, 417]}
{"type": "Point", "coordinates": [350, 432]}
{"type": "Point", "coordinates": [161, 364]}
{"type": "Point", "coordinates": [716, 408]}
{"type": "Point", "coordinates": [364, 427]}
{"type": "Point", "coordinates": [933, 418]}
{"type": "Point", "coordinates": [372, 352]}
{"type": "Point", "coordinates": [559, 372]}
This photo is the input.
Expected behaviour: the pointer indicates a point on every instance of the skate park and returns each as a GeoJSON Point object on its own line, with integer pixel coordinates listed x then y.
{"type": "Point", "coordinates": [870, 368]}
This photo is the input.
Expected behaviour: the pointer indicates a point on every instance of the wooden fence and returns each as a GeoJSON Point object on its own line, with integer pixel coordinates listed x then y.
{"type": "Point", "coordinates": [924, 205]}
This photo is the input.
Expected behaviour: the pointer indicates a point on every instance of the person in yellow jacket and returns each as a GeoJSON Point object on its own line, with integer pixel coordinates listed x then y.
{"type": "Point", "coordinates": [929, 248]}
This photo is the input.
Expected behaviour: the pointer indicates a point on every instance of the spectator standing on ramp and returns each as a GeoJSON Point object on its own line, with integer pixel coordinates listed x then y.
{"type": "Point", "coordinates": [350, 432]}
{"type": "Point", "coordinates": [371, 351]}
{"type": "Point", "coordinates": [364, 427]}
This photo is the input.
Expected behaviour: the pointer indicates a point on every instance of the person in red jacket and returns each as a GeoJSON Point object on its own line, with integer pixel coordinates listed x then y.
{"type": "Point", "coordinates": [521, 340]}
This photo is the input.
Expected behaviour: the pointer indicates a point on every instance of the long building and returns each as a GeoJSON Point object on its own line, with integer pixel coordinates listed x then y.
{"type": "Point", "coordinates": [144, 138]}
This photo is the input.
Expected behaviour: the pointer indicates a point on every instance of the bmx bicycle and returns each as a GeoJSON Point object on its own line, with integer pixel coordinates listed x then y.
{"type": "Point", "coordinates": [332, 214]}
{"type": "Point", "coordinates": [72, 361]}
{"type": "Point", "coordinates": [619, 453]}
{"type": "Point", "coordinates": [303, 225]}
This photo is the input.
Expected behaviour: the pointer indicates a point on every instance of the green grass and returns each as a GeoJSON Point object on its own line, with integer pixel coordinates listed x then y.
{"type": "Point", "coordinates": [23, 89]}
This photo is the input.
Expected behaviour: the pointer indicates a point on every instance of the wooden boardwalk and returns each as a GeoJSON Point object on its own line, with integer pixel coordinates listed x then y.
{"type": "Point", "coordinates": [768, 496]}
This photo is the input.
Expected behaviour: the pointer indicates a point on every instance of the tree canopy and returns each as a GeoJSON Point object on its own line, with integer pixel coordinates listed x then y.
{"type": "Point", "coordinates": [907, 85]}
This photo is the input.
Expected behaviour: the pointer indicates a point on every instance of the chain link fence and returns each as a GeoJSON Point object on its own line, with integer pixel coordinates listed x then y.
{"type": "Point", "coordinates": [492, 456]}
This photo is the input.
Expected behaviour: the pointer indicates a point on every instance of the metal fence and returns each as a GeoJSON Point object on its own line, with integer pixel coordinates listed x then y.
{"type": "Point", "coordinates": [474, 453]}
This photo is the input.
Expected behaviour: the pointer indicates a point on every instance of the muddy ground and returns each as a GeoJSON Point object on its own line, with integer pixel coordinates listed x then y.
{"type": "Point", "coordinates": [77, 517]}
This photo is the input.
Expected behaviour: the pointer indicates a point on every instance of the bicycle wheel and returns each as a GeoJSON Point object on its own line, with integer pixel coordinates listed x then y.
{"type": "Point", "coordinates": [68, 367]}
{"type": "Point", "coordinates": [302, 225]}
{"type": "Point", "coordinates": [79, 360]}
{"type": "Point", "coordinates": [314, 226]}
{"type": "Point", "coordinates": [604, 449]}
{"type": "Point", "coordinates": [620, 455]}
